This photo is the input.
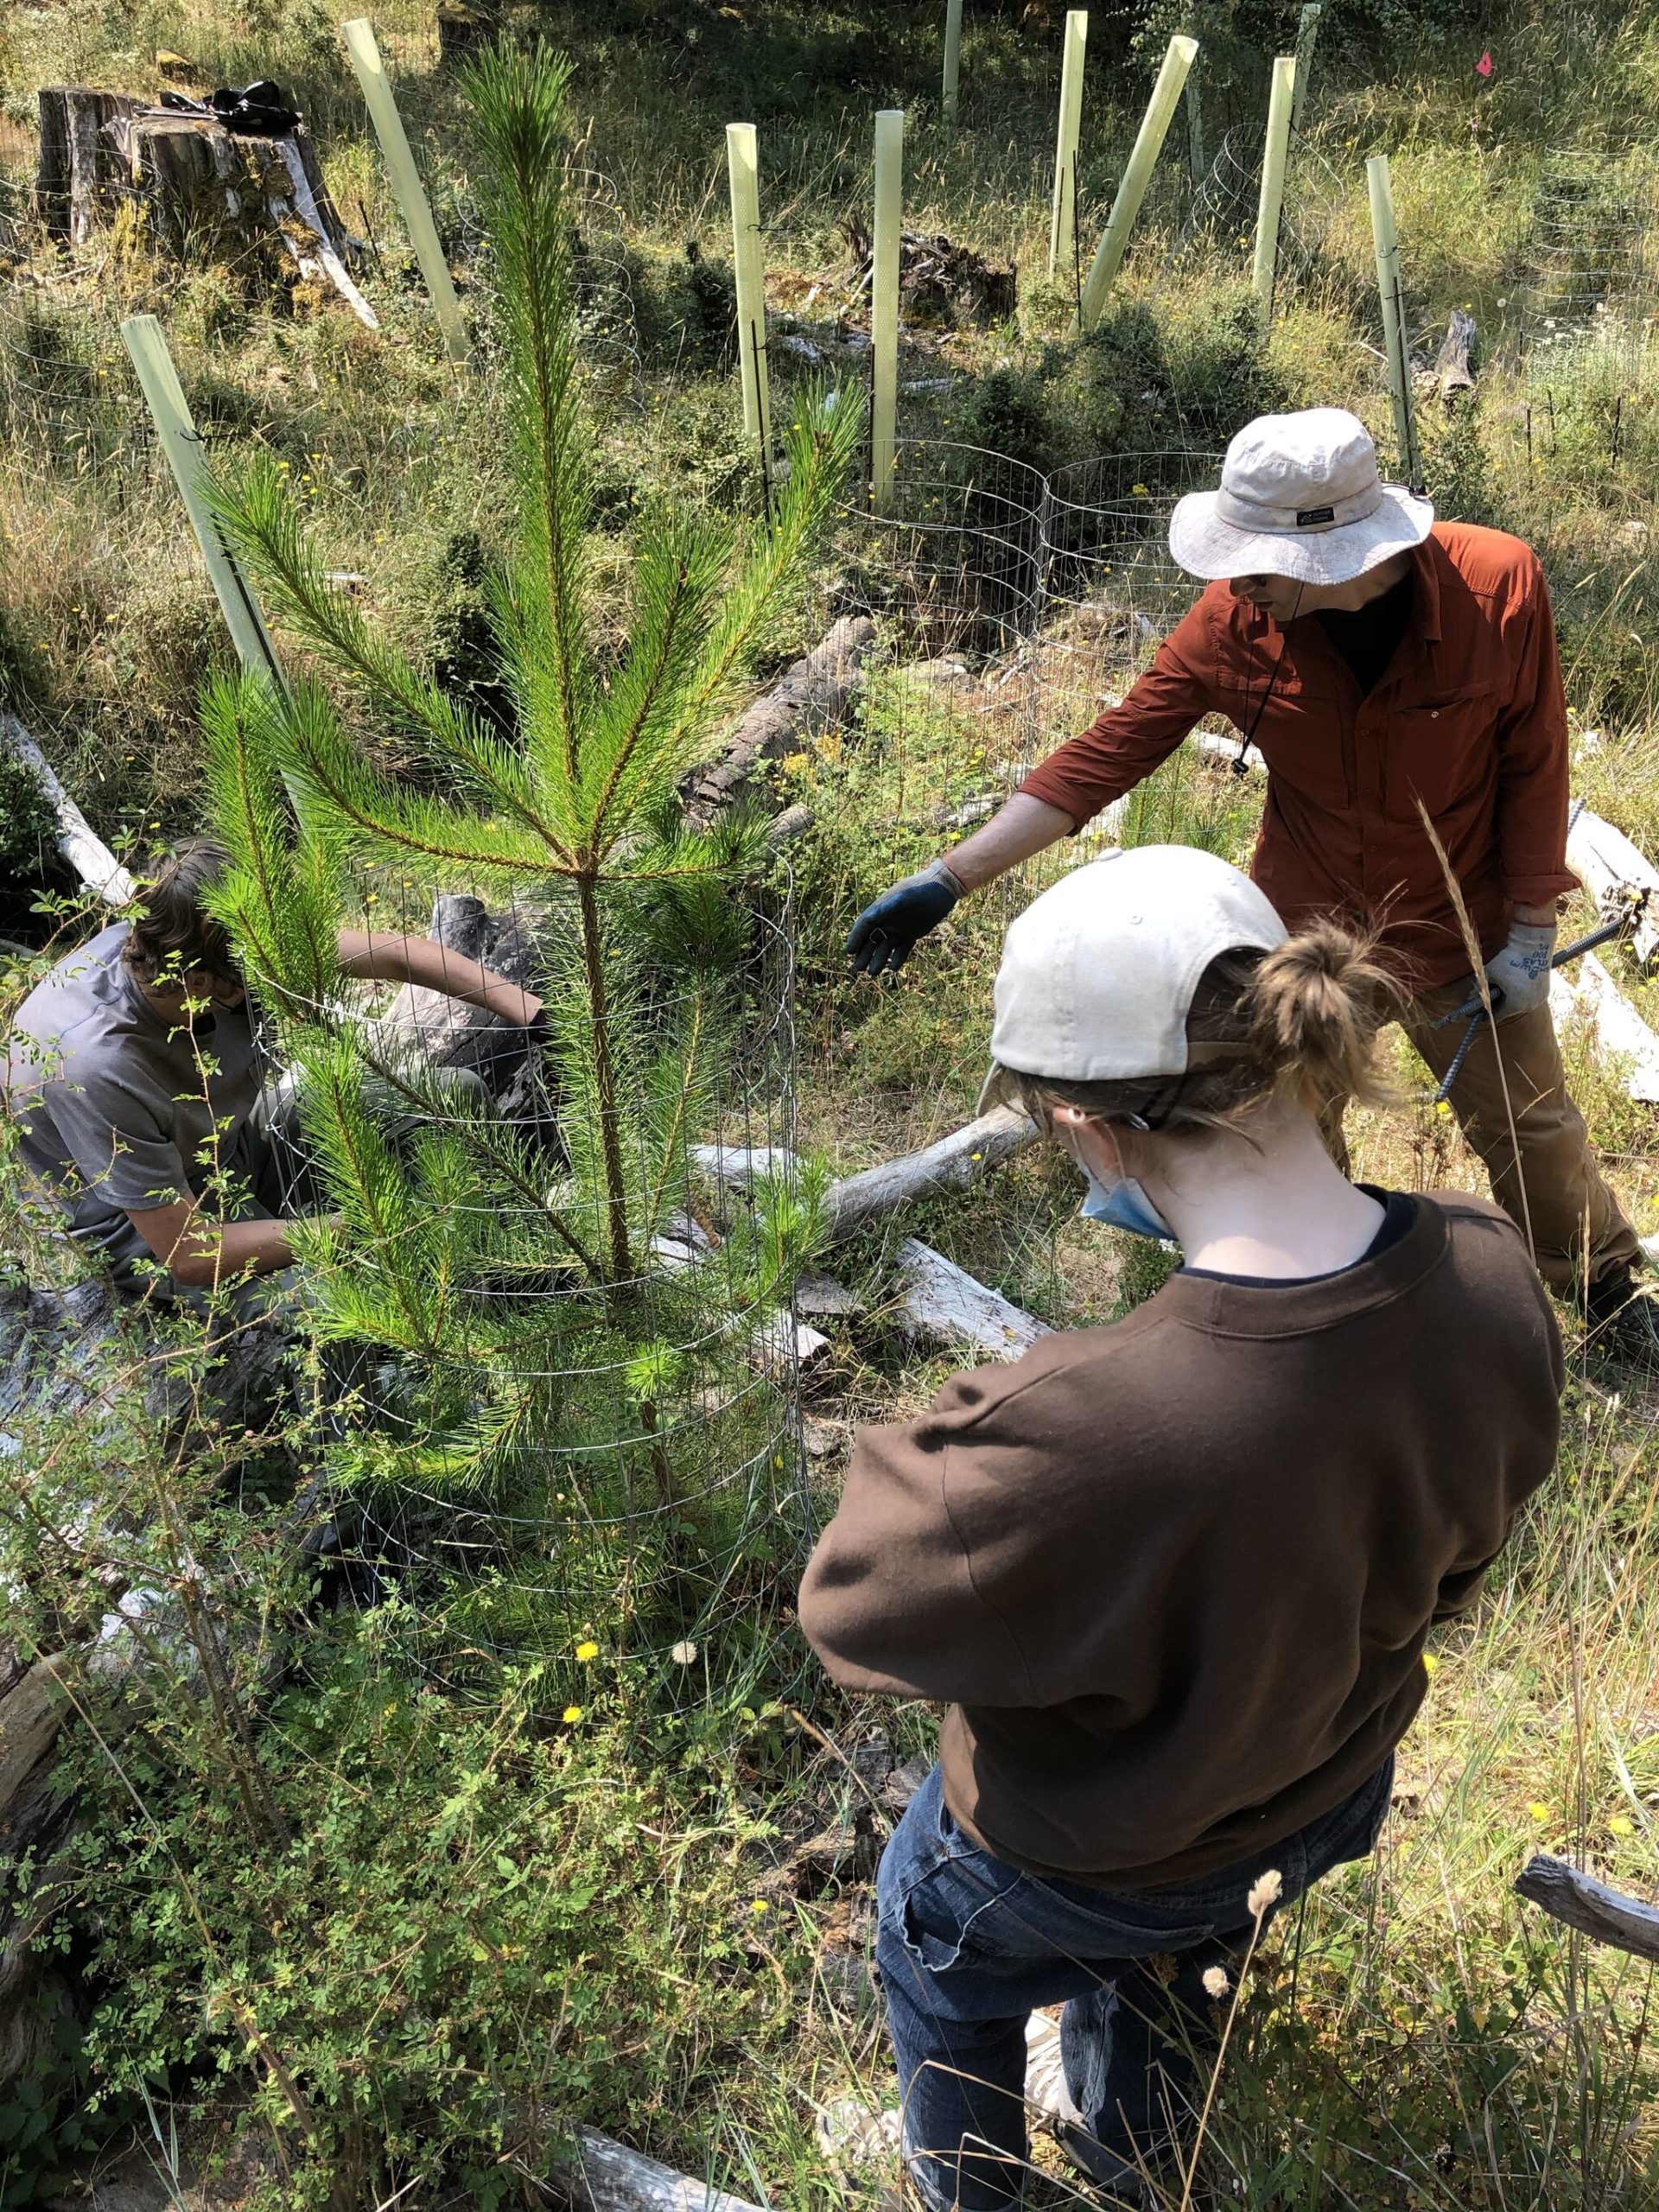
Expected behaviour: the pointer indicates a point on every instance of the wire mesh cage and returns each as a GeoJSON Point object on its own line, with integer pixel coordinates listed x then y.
{"type": "Point", "coordinates": [1589, 252]}
{"type": "Point", "coordinates": [564, 1354]}
{"type": "Point", "coordinates": [1045, 595]}
{"type": "Point", "coordinates": [66, 389]}
{"type": "Point", "coordinates": [954, 552]}
{"type": "Point", "coordinates": [1223, 209]}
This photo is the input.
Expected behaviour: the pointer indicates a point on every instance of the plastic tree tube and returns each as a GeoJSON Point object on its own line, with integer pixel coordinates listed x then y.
{"type": "Point", "coordinates": [952, 57]}
{"type": "Point", "coordinates": [1307, 37]}
{"type": "Point", "coordinates": [884, 299]}
{"type": "Point", "coordinates": [1114, 240]}
{"type": "Point", "coordinates": [1387, 243]}
{"type": "Point", "coordinates": [180, 441]}
{"type": "Point", "coordinates": [743, 167]}
{"type": "Point", "coordinates": [1063, 217]}
{"type": "Point", "coordinates": [359, 35]}
{"type": "Point", "coordinates": [1272, 203]}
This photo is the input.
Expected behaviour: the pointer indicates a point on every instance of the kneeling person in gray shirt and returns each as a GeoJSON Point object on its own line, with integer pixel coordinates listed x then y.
{"type": "Point", "coordinates": [134, 1081]}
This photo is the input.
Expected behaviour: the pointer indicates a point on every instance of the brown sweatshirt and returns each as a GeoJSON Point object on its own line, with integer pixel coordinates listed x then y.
{"type": "Point", "coordinates": [1175, 1576]}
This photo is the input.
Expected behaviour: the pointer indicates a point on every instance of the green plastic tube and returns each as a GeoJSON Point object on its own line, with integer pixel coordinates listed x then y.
{"type": "Point", "coordinates": [1114, 243]}
{"type": "Point", "coordinates": [884, 301]}
{"type": "Point", "coordinates": [164, 396]}
{"type": "Point", "coordinates": [359, 35]}
{"type": "Point", "coordinates": [1271, 205]}
{"type": "Point", "coordinates": [1063, 216]}
{"type": "Point", "coordinates": [952, 58]}
{"type": "Point", "coordinates": [1307, 37]}
{"type": "Point", "coordinates": [743, 169]}
{"type": "Point", "coordinates": [1395, 337]}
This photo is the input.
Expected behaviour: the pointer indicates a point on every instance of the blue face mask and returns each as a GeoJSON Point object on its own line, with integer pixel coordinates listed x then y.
{"type": "Point", "coordinates": [1124, 1204]}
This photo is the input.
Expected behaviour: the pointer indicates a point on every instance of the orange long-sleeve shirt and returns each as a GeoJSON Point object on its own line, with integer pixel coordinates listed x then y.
{"type": "Point", "coordinates": [1469, 717]}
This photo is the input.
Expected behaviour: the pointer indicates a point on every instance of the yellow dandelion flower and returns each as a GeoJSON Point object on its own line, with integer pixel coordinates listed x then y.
{"type": "Point", "coordinates": [572, 1714]}
{"type": "Point", "coordinates": [757, 1905]}
{"type": "Point", "coordinates": [1443, 1106]}
{"type": "Point", "coordinates": [1621, 1826]}
{"type": "Point", "coordinates": [1538, 1810]}
{"type": "Point", "coordinates": [587, 1649]}
{"type": "Point", "coordinates": [1430, 1663]}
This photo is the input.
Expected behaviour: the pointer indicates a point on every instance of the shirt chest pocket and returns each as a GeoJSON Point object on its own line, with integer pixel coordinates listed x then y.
{"type": "Point", "coordinates": [1442, 751]}
{"type": "Point", "coordinates": [1300, 732]}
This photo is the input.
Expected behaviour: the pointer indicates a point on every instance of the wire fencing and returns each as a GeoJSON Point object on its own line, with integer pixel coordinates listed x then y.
{"type": "Point", "coordinates": [565, 1402]}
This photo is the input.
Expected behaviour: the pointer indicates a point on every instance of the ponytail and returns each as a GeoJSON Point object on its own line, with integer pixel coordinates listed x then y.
{"type": "Point", "coordinates": [1312, 1009]}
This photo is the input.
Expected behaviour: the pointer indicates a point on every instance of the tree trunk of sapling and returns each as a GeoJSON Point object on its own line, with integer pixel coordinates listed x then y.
{"type": "Point", "coordinates": [616, 1188]}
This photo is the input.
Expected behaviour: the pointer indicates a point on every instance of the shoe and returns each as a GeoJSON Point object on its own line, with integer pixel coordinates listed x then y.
{"type": "Point", "coordinates": [1050, 2103]}
{"type": "Point", "coordinates": [1047, 2096]}
{"type": "Point", "coordinates": [1623, 1317]}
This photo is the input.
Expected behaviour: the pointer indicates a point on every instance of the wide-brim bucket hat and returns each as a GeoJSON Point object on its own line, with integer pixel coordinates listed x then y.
{"type": "Point", "coordinates": [1300, 497]}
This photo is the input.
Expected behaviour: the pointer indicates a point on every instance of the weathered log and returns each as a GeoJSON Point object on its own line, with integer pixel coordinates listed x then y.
{"type": "Point", "coordinates": [955, 1163]}
{"type": "Point", "coordinates": [1454, 365]}
{"type": "Point", "coordinates": [86, 852]}
{"type": "Point", "coordinates": [610, 2177]}
{"type": "Point", "coordinates": [1619, 1030]}
{"type": "Point", "coordinates": [78, 177]}
{"type": "Point", "coordinates": [1579, 1901]}
{"type": "Point", "coordinates": [446, 1032]}
{"type": "Point", "coordinates": [32, 1713]}
{"type": "Point", "coordinates": [1611, 868]}
{"type": "Point", "coordinates": [807, 698]}
{"type": "Point", "coordinates": [944, 1301]}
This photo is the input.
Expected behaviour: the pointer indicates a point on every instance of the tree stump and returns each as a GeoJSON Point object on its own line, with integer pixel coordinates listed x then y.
{"type": "Point", "coordinates": [466, 27]}
{"type": "Point", "coordinates": [78, 183]}
{"type": "Point", "coordinates": [205, 193]}
{"type": "Point", "coordinates": [1454, 365]}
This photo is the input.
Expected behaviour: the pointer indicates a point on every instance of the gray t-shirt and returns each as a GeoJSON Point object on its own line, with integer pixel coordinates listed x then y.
{"type": "Point", "coordinates": [119, 1110]}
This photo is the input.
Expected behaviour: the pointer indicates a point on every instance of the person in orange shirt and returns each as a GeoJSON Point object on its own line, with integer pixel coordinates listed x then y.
{"type": "Point", "coordinates": [1388, 667]}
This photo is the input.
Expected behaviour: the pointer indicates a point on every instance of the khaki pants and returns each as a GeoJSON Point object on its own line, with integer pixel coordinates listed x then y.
{"type": "Point", "coordinates": [1570, 1209]}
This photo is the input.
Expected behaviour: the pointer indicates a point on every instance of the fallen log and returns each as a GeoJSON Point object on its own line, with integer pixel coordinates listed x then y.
{"type": "Point", "coordinates": [1618, 1029]}
{"type": "Point", "coordinates": [610, 2177]}
{"type": "Point", "coordinates": [944, 1301]}
{"type": "Point", "coordinates": [1609, 867]}
{"type": "Point", "coordinates": [807, 698]}
{"type": "Point", "coordinates": [1579, 1901]}
{"type": "Point", "coordinates": [445, 1032]}
{"type": "Point", "coordinates": [80, 845]}
{"type": "Point", "coordinates": [954, 1163]}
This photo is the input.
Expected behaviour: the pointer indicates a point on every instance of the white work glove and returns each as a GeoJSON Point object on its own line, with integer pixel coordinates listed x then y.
{"type": "Point", "coordinates": [1520, 971]}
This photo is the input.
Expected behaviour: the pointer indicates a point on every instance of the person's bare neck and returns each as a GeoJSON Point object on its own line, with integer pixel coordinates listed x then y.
{"type": "Point", "coordinates": [1276, 1206]}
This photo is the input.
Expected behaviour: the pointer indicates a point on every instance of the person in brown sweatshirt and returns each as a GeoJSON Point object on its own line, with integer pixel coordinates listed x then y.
{"type": "Point", "coordinates": [1172, 1578]}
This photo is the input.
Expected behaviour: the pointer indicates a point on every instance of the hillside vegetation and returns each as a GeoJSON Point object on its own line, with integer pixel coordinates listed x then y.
{"type": "Point", "coordinates": [446, 1905]}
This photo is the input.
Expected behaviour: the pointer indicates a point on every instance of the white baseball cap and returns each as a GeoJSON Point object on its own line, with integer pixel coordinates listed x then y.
{"type": "Point", "coordinates": [1300, 497]}
{"type": "Point", "coordinates": [1098, 974]}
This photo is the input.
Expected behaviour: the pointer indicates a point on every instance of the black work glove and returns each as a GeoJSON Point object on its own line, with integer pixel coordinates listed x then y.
{"type": "Point", "coordinates": [884, 934]}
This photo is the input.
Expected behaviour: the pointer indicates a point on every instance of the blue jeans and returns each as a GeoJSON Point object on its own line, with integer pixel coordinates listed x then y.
{"type": "Point", "coordinates": [969, 1947]}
